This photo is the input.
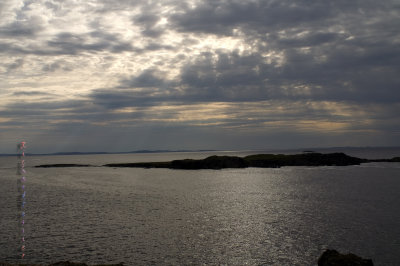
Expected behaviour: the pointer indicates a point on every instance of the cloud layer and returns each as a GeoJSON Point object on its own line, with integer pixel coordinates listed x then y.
{"type": "Point", "coordinates": [199, 74]}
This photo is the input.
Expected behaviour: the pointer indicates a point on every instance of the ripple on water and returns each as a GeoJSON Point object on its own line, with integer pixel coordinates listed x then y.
{"type": "Point", "coordinates": [284, 216]}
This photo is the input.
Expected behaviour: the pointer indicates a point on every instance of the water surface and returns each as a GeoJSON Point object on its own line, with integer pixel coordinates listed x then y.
{"type": "Point", "coordinates": [254, 216]}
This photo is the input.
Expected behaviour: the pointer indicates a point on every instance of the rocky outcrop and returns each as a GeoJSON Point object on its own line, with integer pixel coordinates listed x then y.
{"type": "Point", "coordinates": [333, 258]}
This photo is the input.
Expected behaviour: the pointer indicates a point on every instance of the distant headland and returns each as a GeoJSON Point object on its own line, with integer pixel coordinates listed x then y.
{"type": "Point", "coordinates": [258, 160]}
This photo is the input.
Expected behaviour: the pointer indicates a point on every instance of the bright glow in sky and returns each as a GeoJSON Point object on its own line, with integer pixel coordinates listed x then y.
{"type": "Point", "coordinates": [125, 75]}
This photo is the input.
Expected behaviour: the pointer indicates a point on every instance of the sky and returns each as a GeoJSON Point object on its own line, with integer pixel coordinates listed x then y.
{"type": "Point", "coordinates": [121, 75]}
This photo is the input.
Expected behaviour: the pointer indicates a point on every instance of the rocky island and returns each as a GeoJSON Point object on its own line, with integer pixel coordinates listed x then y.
{"type": "Point", "coordinates": [257, 160]}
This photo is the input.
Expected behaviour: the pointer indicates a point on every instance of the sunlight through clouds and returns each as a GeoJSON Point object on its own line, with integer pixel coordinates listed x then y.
{"type": "Point", "coordinates": [255, 70]}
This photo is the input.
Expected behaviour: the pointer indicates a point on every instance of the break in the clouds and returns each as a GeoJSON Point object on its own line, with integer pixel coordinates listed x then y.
{"type": "Point", "coordinates": [123, 75]}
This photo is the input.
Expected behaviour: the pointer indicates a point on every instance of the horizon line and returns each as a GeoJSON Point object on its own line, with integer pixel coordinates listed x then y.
{"type": "Point", "coordinates": [198, 150]}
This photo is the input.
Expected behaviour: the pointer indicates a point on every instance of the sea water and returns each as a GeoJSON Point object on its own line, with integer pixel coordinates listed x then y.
{"type": "Point", "coordinates": [254, 216]}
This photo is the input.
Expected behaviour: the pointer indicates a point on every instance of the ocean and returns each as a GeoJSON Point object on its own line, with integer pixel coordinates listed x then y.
{"type": "Point", "coordinates": [252, 216]}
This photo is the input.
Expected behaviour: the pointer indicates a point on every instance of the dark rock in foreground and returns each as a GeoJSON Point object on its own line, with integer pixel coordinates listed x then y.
{"type": "Point", "coordinates": [333, 258]}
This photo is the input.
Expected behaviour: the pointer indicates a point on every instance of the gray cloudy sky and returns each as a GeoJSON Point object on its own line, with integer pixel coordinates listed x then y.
{"type": "Point", "coordinates": [119, 75]}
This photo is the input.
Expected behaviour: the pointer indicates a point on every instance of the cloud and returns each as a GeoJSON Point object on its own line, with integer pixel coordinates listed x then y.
{"type": "Point", "coordinates": [51, 67]}
{"type": "Point", "coordinates": [148, 22]}
{"type": "Point", "coordinates": [222, 17]}
{"type": "Point", "coordinates": [30, 93]}
{"type": "Point", "coordinates": [147, 79]}
{"type": "Point", "coordinates": [15, 65]}
{"type": "Point", "coordinates": [67, 43]}
{"type": "Point", "coordinates": [20, 29]}
{"type": "Point", "coordinates": [240, 67]}
{"type": "Point", "coordinates": [108, 6]}
{"type": "Point", "coordinates": [222, 76]}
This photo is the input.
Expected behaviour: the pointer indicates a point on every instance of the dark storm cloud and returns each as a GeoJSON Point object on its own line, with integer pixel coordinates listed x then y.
{"type": "Point", "coordinates": [116, 99]}
{"type": "Point", "coordinates": [107, 41]}
{"type": "Point", "coordinates": [20, 29]}
{"type": "Point", "coordinates": [148, 23]}
{"type": "Point", "coordinates": [107, 6]}
{"type": "Point", "coordinates": [51, 67]}
{"type": "Point", "coordinates": [211, 77]}
{"type": "Point", "coordinates": [346, 72]}
{"type": "Point", "coordinates": [152, 46]}
{"type": "Point", "coordinates": [82, 111]}
{"type": "Point", "coordinates": [16, 65]}
{"type": "Point", "coordinates": [310, 40]}
{"type": "Point", "coordinates": [352, 50]}
{"type": "Point", "coordinates": [11, 49]}
{"type": "Point", "coordinates": [146, 79]}
{"type": "Point", "coordinates": [67, 43]}
{"type": "Point", "coordinates": [45, 106]}
{"type": "Point", "coordinates": [221, 17]}
{"type": "Point", "coordinates": [225, 77]}
{"type": "Point", "coordinates": [31, 93]}
{"type": "Point", "coordinates": [230, 77]}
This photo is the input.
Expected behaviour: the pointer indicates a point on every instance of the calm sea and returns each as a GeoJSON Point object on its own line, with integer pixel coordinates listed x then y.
{"type": "Point", "coordinates": [253, 216]}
